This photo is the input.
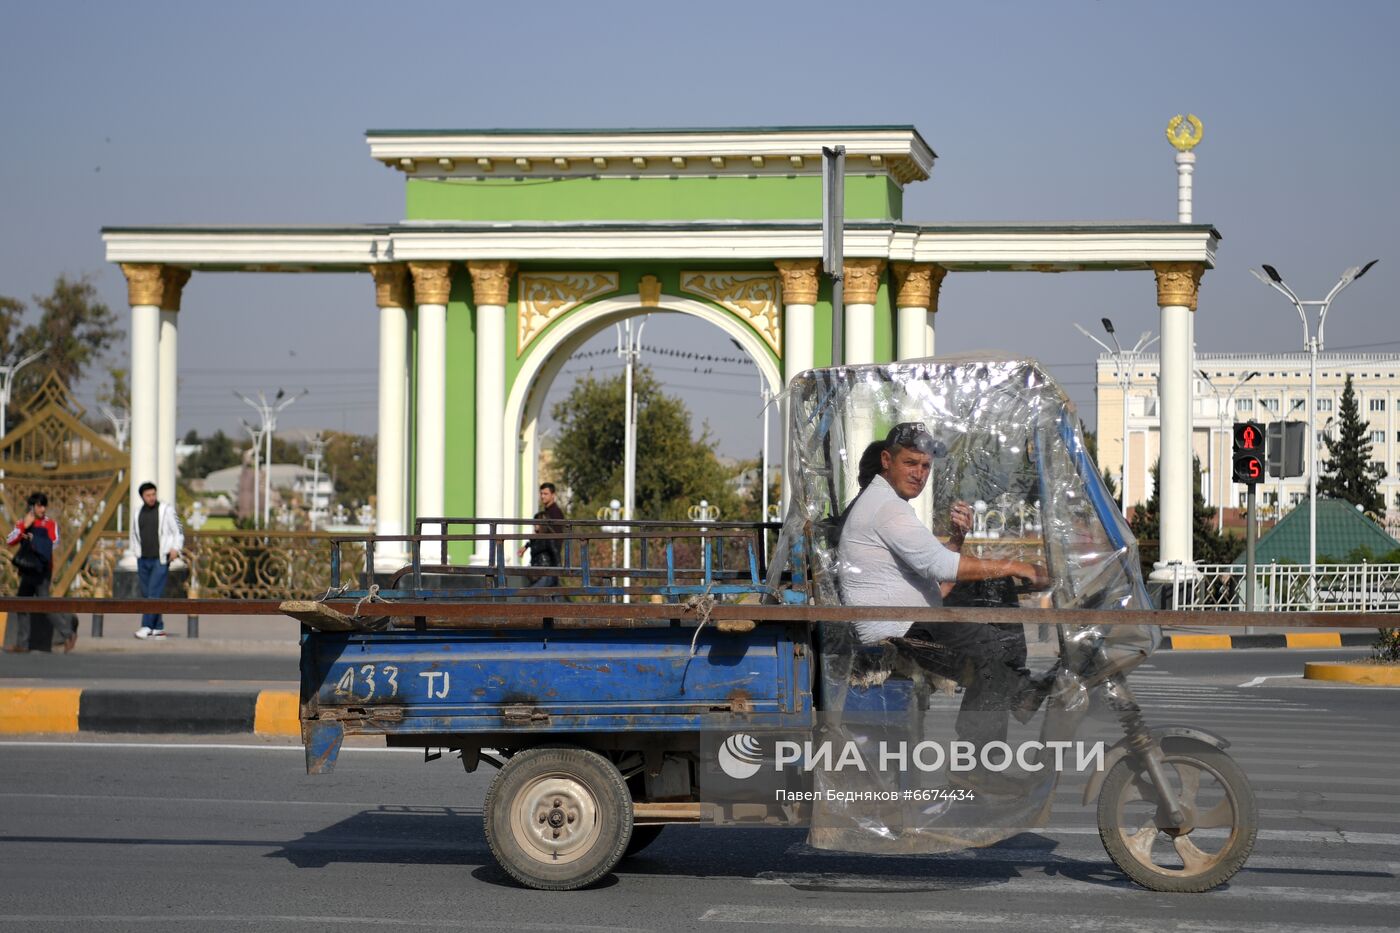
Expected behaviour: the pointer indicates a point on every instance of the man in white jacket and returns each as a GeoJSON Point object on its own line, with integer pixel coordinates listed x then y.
{"type": "Point", "coordinates": [156, 538]}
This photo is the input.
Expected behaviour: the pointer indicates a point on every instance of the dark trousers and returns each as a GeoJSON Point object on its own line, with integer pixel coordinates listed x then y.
{"type": "Point", "coordinates": [39, 630]}
{"type": "Point", "coordinates": [987, 660]}
{"type": "Point", "coordinates": [150, 574]}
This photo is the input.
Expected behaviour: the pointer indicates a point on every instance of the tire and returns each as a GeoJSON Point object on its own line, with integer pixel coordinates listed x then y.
{"type": "Point", "coordinates": [642, 836]}
{"type": "Point", "coordinates": [558, 818]}
{"type": "Point", "coordinates": [1194, 860]}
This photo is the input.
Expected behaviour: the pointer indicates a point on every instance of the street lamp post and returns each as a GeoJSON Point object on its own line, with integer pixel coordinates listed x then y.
{"type": "Point", "coordinates": [1223, 412]}
{"type": "Point", "coordinates": [1123, 361]}
{"type": "Point", "coordinates": [269, 411]}
{"type": "Point", "coordinates": [1313, 344]}
{"type": "Point", "coordinates": [629, 348]}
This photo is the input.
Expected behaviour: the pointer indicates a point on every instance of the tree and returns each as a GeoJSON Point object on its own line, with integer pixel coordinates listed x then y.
{"type": "Point", "coordinates": [74, 330]}
{"type": "Point", "coordinates": [1091, 444]}
{"type": "Point", "coordinates": [1348, 472]}
{"type": "Point", "coordinates": [1207, 546]}
{"type": "Point", "coordinates": [674, 469]}
{"type": "Point", "coordinates": [215, 453]}
{"type": "Point", "coordinates": [350, 461]}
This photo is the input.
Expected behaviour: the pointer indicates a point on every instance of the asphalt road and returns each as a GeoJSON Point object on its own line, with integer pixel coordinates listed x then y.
{"type": "Point", "coordinates": [121, 835]}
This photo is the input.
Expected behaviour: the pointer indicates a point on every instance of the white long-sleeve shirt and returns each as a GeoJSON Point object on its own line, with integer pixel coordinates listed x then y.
{"type": "Point", "coordinates": [887, 557]}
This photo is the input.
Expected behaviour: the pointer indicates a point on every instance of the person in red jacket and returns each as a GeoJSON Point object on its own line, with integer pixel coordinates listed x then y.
{"type": "Point", "coordinates": [37, 534]}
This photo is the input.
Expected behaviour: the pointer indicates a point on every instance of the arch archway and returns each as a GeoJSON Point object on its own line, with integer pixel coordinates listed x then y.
{"type": "Point", "coordinates": [524, 403]}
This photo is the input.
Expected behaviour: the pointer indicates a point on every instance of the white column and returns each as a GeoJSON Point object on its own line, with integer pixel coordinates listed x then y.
{"type": "Point", "coordinates": [166, 435]}
{"type": "Point", "coordinates": [390, 280]}
{"type": "Point", "coordinates": [145, 287]}
{"type": "Point", "coordinates": [432, 283]}
{"type": "Point", "coordinates": [490, 292]}
{"type": "Point", "coordinates": [916, 299]}
{"type": "Point", "coordinates": [862, 285]}
{"type": "Point", "coordinates": [911, 338]}
{"type": "Point", "coordinates": [1176, 295]}
{"type": "Point", "coordinates": [799, 324]}
{"type": "Point", "coordinates": [1185, 166]}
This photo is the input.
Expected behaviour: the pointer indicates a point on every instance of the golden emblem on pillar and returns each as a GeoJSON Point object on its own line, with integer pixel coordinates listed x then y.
{"type": "Point", "coordinates": [390, 284]}
{"type": "Point", "coordinates": [432, 282]}
{"type": "Point", "coordinates": [917, 284]}
{"type": "Point", "coordinates": [862, 280]}
{"type": "Point", "coordinates": [800, 280]}
{"type": "Point", "coordinates": [1178, 283]}
{"type": "Point", "coordinates": [173, 287]}
{"type": "Point", "coordinates": [490, 281]}
{"type": "Point", "coordinates": [1184, 132]}
{"type": "Point", "coordinates": [145, 283]}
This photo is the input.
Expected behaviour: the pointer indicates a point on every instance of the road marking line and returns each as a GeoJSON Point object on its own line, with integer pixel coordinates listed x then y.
{"type": "Point", "coordinates": [865, 918]}
{"type": "Point", "coordinates": [1259, 680]}
{"type": "Point", "coordinates": [202, 921]}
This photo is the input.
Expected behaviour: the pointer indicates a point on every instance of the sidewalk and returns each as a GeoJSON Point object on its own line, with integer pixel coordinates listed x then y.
{"type": "Point", "coordinates": [275, 635]}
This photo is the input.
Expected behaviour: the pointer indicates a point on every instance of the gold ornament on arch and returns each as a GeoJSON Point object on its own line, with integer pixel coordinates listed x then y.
{"type": "Point", "coordinates": [544, 297]}
{"type": "Point", "coordinates": [754, 297]}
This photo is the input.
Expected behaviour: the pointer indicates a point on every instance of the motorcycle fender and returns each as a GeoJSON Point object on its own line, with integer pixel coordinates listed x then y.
{"type": "Point", "coordinates": [1119, 751]}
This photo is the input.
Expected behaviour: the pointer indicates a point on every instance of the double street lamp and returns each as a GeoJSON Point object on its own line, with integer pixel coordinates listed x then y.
{"type": "Point", "coordinates": [1313, 344]}
{"type": "Point", "coordinates": [1223, 410]}
{"type": "Point", "coordinates": [1123, 361]}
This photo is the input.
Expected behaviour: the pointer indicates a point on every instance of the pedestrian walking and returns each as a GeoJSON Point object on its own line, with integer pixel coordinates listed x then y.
{"type": "Point", "coordinates": [544, 552]}
{"type": "Point", "coordinates": [157, 539]}
{"type": "Point", "coordinates": [35, 538]}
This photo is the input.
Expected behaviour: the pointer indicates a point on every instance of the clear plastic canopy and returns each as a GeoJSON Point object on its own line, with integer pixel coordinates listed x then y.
{"type": "Point", "coordinates": [1007, 441]}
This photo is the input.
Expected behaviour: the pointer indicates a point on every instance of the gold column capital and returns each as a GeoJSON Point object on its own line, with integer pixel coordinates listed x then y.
{"type": "Point", "coordinates": [862, 281]}
{"type": "Point", "coordinates": [173, 287]}
{"type": "Point", "coordinates": [432, 282]}
{"type": "Point", "coordinates": [491, 281]}
{"type": "Point", "coordinates": [800, 280]}
{"type": "Point", "coordinates": [145, 283]}
{"type": "Point", "coordinates": [917, 284]}
{"type": "Point", "coordinates": [1178, 283]}
{"type": "Point", "coordinates": [390, 284]}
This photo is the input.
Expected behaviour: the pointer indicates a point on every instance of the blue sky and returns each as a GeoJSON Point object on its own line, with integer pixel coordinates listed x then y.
{"type": "Point", "coordinates": [145, 113]}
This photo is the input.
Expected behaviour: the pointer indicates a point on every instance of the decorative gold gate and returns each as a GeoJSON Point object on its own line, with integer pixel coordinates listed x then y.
{"type": "Point", "coordinates": [85, 476]}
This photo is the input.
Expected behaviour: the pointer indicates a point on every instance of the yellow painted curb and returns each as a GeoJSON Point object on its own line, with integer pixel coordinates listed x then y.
{"type": "Point", "coordinates": [1200, 642]}
{"type": "Point", "coordinates": [277, 713]}
{"type": "Point", "coordinates": [39, 709]}
{"type": "Point", "coordinates": [1314, 639]}
{"type": "Point", "coordinates": [1370, 675]}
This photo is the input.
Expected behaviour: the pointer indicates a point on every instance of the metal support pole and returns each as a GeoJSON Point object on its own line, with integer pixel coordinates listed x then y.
{"type": "Point", "coordinates": [1251, 536]}
{"type": "Point", "coordinates": [97, 625]}
{"type": "Point", "coordinates": [192, 626]}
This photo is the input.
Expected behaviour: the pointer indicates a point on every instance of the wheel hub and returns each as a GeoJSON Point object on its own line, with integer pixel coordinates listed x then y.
{"type": "Point", "coordinates": [555, 818]}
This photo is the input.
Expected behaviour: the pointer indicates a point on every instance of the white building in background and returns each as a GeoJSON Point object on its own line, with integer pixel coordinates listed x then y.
{"type": "Point", "coordinates": [1278, 393]}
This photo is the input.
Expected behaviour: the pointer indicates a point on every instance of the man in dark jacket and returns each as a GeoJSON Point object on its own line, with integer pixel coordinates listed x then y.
{"type": "Point", "coordinates": [35, 536]}
{"type": "Point", "coordinates": [544, 552]}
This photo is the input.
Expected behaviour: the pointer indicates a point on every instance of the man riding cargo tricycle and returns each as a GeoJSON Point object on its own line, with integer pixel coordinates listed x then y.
{"type": "Point", "coordinates": [912, 662]}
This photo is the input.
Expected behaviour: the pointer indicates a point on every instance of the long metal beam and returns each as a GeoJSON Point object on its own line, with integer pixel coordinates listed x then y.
{"type": "Point", "coordinates": [467, 615]}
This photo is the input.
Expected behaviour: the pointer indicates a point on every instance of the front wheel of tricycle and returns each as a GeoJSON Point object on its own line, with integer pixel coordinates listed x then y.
{"type": "Point", "coordinates": [1213, 841]}
{"type": "Point", "coordinates": [558, 818]}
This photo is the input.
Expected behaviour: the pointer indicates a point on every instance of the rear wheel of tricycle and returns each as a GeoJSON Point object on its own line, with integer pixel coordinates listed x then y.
{"type": "Point", "coordinates": [558, 818]}
{"type": "Point", "coordinates": [1213, 842]}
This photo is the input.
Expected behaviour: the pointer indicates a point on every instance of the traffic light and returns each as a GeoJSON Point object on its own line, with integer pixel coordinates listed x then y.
{"type": "Point", "coordinates": [1249, 453]}
{"type": "Point", "coordinates": [1287, 443]}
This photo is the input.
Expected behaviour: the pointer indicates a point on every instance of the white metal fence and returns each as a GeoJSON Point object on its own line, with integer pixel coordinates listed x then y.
{"type": "Point", "coordinates": [1291, 588]}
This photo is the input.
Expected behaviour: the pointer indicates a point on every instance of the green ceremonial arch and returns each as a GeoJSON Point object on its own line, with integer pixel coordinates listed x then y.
{"type": "Point", "coordinates": [518, 245]}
